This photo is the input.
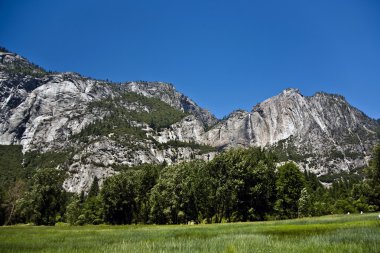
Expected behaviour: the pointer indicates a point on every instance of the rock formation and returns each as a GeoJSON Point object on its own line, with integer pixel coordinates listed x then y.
{"type": "Point", "coordinates": [102, 126]}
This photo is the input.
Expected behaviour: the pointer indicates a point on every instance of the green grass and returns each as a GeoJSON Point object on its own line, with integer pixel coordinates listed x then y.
{"type": "Point", "coordinates": [338, 233]}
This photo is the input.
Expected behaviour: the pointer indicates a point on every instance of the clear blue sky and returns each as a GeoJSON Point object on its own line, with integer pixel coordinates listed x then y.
{"type": "Point", "coordinates": [224, 55]}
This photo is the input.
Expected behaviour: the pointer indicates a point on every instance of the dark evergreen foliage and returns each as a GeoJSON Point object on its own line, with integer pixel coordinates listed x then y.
{"type": "Point", "coordinates": [119, 199]}
{"type": "Point", "coordinates": [10, 165]}
{"type": "Point", "coordinates": [237, 185]}
{"type": "Point", "coordinates": [121, 121]}
{"type": "Point", "coordinates": [94, 189]}
{"type": "Point", "coordinates": [45, 203]}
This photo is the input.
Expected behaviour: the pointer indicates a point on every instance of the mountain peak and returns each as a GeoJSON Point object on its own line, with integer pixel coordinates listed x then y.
{"type": "Point", "coordinates": [291, 90]}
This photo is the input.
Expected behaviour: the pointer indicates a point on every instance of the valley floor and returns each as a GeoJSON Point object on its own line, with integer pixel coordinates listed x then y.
{"type": "Point", "coordinates": [337, 233]}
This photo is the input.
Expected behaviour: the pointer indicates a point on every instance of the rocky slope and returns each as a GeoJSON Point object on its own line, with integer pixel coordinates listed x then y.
{"type": "Point", "coordinates": [51, 112]}
{"type": "Point", "coordinates": [167, 93]}
{"type": "Point", "coordinates": [97, 127]}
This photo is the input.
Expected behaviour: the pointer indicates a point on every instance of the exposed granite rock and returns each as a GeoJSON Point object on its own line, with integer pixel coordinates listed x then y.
{"type": "Point", "coordinates": [189, 129]}
{"type": "Point", "coordinates": [324, 128]}
{"type": "Point", "coordinates": [43, 111]}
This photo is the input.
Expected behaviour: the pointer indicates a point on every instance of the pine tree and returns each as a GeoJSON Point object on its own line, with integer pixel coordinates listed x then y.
{"type": "Point", "coordinates": [94, 189]}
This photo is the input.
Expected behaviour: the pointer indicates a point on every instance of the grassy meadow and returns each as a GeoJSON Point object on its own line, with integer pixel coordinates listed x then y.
{"type": "Point", "coordinates": [337, 233]}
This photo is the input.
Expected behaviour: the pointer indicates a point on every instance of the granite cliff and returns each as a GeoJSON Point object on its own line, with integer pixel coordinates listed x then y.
{"type": "Point", "coordinates": [97, 127]}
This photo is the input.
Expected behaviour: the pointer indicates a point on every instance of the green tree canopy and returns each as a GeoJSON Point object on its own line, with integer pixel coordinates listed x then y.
{"type": "Point", "coordinates": [46, 200]}
{"type": "Point", "coordinates": [289, 184]}
{"type": "Point", "coordinates": [244, 184]}
{"type": "Point", "coordinates": [118, 196]}
{"type": "Point", "coordinates": [181, 194]}
{"type": "Point", "coordinates": [373, 177]}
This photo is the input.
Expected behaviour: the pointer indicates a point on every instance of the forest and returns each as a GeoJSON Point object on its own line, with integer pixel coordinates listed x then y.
{"type": "Point", "coordinates": [238, 185]}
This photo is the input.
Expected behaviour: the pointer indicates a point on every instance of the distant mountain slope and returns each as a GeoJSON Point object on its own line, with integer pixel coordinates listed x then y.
{"type": "Point", "coordinates": [95, 128]}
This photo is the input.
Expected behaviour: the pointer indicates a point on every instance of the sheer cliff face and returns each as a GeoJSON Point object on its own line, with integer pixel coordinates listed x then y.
{"type": "Point", "coordinates": [43, 111]}
{"type": "Point", "coordinates": [51, 112]}
{"type": "Point", "coordinates": [290, 114]}
{"type": "Point", "coordinates": [326, 132]}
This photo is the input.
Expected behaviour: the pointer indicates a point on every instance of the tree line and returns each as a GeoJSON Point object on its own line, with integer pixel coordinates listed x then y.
{"type": "Point", "coordinates": [237, 185]}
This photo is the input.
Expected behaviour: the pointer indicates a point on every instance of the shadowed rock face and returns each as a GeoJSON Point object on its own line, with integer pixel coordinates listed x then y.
{"type": "Point", "coordinates": [42, 111]}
